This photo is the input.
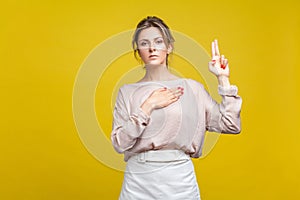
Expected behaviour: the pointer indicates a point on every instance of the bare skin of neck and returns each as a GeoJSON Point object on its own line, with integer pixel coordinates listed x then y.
{"type": "Point", "coordinates": [158, 73]}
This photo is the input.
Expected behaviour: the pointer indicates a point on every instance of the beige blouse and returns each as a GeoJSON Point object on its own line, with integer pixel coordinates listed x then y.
{"type": "Point", "coordinates": [180, 125]}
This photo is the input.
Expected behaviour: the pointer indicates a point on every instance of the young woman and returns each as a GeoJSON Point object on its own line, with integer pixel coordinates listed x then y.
{"type": "Point", "coordinates": [160, 121]}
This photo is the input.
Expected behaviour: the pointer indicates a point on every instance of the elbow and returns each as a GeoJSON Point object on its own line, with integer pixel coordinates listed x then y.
{"type": "Point", "coordinates": [236, 131]}
{"type": "Point", "coordinates": [238, 127]}
{"type": "Point", "coordinates": [232, 131]}
{"type": "Point", "coordinates": [117, 147]}
{"type": "Point", "coordinates": [120, 144]}
{"type": "Point", "coordinates": [120, 147]}
{"type": "Point", "coordinates": [233, 128]}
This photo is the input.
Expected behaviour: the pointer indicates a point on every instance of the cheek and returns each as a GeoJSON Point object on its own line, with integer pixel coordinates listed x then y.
{"type": "Point", "coordinates": [163, 53]}
{"type": "Point", "coordinates": [142, 53]}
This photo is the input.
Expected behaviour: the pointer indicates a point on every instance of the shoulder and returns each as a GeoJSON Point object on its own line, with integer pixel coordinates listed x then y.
{"type": "Point", "coordinates": [128, 87]}
{"type": "Point", "coordinates": [123, 90]}
{"type": "Point", "coordinates": [126, 90]}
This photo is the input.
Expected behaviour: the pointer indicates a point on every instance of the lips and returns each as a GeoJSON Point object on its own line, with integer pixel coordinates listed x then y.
{"type": "Point", "coordinates": [153, 56]}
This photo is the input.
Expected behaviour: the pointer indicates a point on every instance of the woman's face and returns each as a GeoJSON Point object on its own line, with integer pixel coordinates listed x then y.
{"type": "Point", "coordinates": [151, 47]}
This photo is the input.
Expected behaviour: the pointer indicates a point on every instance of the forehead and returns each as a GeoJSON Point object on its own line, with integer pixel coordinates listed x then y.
{"type": "Point", "coordinates": [150, 33]}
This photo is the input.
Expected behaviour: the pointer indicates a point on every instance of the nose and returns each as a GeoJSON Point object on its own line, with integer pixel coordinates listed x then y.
{"type": "Point", "coordinates": [152, 47]}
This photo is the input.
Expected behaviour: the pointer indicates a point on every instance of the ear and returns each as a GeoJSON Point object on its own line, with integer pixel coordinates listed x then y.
{"type": "Point", "coordinates": [170, 49]}
{"type": "Point", "coordinates": [138, 52]}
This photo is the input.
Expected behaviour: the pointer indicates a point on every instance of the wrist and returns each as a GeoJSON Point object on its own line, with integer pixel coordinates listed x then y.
{"type": "Point", "coordinates": [224, 81]}
{"type": "Point", "coordinates": [147, 108]}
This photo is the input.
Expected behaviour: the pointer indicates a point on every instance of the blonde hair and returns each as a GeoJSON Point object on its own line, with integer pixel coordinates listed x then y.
{"type": "Point", "coordinates": [152, 21]}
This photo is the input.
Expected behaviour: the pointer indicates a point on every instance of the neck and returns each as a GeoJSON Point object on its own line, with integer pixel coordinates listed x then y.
{"type": "Point", "coordinates": [157, 73]}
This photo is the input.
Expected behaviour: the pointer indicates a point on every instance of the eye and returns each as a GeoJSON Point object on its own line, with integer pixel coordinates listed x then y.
{"type": "Point", "coordinates": [143, 43]}
{"type": "Point", "coordinates": [160, 41]}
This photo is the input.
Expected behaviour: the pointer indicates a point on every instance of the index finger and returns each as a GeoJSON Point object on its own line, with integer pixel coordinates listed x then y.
{"type": "Point", "coordinates": [213, 50]}
{"type": "Point", "coordinates": [217, 52]}
{"type": "Point", "coordinates": [161, 89]}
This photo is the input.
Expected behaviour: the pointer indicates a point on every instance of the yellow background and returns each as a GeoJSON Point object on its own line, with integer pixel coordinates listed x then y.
{"type": "Point", "coordinates": [43, 44]}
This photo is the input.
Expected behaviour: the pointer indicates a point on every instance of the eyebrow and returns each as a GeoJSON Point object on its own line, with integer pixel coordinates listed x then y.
{"type": "Point", "coordinates": [154, 39]}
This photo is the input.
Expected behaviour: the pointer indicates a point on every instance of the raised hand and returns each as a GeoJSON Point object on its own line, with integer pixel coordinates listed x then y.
{"type": "Point", "coordinates": [161, 98]}
{"type": "Point", "coordinates": [219, 64]}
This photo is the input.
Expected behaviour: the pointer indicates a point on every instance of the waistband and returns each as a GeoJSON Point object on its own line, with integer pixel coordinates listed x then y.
{"type": "Point", "coordinates": [161, 156]}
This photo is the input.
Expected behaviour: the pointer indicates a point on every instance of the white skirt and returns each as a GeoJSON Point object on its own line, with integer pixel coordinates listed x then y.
{"type": "Point", "coordinates": [163, 174]}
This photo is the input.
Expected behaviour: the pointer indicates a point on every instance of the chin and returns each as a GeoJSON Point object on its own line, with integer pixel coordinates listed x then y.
{"type": "Point", "coordinates": [154, 63]}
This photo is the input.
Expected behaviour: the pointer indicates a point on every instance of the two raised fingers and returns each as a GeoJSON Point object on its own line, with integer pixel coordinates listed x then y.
{"type": "Point", "coordinates": [216, 55]}
{"type": "Point", "coordinates": [215, 49]}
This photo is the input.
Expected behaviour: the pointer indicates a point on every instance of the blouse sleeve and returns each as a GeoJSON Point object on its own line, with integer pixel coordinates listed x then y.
{"type": "Point", "coordinates": [223, 117]}
{"type": "Point", "coordinates": [128, 124]}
